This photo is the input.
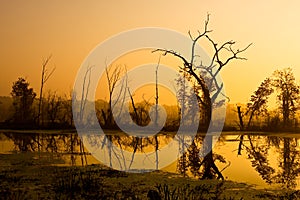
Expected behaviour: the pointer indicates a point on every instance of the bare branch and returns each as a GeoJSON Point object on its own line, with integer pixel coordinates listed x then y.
{"type": "Point", "coordinates": [84, 94]}
{"type": "Point", "coordinates": [47, 76]}
{"type": "Point", "coordinates": [165, 52]}
{"type": "Point", "coordinates": [205, 32]}
{"type": "Point", "coordinates": [226, 46]}
{"type": "Point", "coordinates": [191, 35]}
{"type": "Point", "coordinates": [187, 67]}
{"type": "Point", "coordinates": [44, 78]}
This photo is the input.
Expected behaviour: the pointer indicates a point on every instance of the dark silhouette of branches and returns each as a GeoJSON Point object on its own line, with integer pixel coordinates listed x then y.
{"type": "Point", "coordinates": [288, 97]}
{"type": "Point", "coordinates": [85, 92]}
{"type": "Point", "coordinates": [44, 78]}
{"type": "Point", "coordinates": [23, 98]}
{"type": "Point", "coordinates": [207, 87]}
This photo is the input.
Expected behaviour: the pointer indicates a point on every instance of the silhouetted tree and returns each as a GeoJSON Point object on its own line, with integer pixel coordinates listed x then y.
{"type": "Point", "coordinates": [80, 101]}
{"type": "Point", "coordinates": [288, 93]}
{"type": "Point", "coordinates": [135, 115]}
{"type": "Point", "coordinates": [182, 96]}
{"type": "Point", "coordinates": [44, 78]}
{"type": "Point", "coordinates": [23, 97]}
{"type": "Point", "coordinates": [257, 106]}
{"type": "Point", "coordinates": [85, 92]}
{"type": "Point", "coordinates": [207, 87]}
{"type": "Point", "coordinates": [259, 100]}
{"type": "Point", "coordinates": [113, 76]}
{"type": "Point", "coordinates": [187, 104]}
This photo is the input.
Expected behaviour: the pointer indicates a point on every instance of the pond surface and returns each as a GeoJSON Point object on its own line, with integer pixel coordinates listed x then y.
{"type": "Point", "coordinates": [265, 161]}
{"type": "Point", "coordinates": [262, 159]}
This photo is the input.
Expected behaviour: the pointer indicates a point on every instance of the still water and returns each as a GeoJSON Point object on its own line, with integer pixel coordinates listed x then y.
{"type": "Point", "coordinates": [262, 159]}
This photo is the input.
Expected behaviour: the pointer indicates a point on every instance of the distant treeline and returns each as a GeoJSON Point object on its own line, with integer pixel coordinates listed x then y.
{"type": "Point", "coordinates": [57, 114]}
{"type": "Point", "coordinates": [23, 110]}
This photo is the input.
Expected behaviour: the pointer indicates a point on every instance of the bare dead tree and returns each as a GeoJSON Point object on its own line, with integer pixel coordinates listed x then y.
{"type": "Point", "coordinates": [137, 117]}
{"type": "Point", "coordinates": [122, 94]}
{"type": "Point", "coordinates": [156, 91]}
{"type": "Point", "coordinates": [44, 78]}
{"type": "Point", "coordinates": [156, 113]}
{"type": "Point", "coordinates": [241, 123]}
{"type": "Point", "coordinates": [209, 83]}
{"type": "Point", "coordinates": [113, 76]}
{"type": "Point", "coordinates": [85, 92]}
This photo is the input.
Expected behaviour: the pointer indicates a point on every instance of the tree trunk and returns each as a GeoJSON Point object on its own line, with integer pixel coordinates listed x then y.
{"type": "Point", "coordinates": [209, 163]}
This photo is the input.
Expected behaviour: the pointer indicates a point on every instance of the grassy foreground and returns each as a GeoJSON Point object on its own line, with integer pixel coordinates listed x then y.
{"type": "Point", "coordinates": [31, 176]}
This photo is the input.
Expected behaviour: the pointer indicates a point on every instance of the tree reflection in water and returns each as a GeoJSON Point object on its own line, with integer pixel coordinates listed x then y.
{"type": "Point", "coordinates": [289, 161]}
{"type": "Point", "coordinates": [118, 144]}
{"type": "Point", "coordinates": [259, 150]}
{"type": "Point", "coordinates": [191, 161]}
{"type": "Point", "coordinates": [56, 144]}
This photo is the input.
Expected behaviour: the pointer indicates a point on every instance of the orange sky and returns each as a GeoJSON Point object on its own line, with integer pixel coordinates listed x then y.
{"type": "Point", "coordinates": [70, 29]}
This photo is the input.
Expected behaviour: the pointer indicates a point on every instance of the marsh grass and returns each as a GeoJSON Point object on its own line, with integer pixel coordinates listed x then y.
{"type": "Point", "coordinates": [75, 184]}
